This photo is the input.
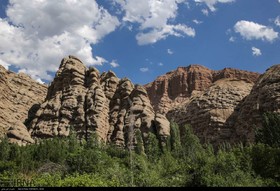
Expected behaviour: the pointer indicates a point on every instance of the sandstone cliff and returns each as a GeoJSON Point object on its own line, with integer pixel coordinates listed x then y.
{"type": "Point", "coordinates": [211, 114]}
{"type": "Point", "coordinates": [208, 100]}
{"type": "Point", "coordinates": [86, 101]}
{"type": "Point", "coordinates": [20, 97]}
{"type": "Point", "coordinates": [178, 86]}
{"type": "Point", "coordinates": [222, 106]}
{"type": "Point", "coordinates": [264, 97]}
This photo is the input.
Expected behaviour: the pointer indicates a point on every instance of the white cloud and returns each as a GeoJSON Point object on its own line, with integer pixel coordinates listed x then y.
{"type": "Point", "coordinates": [231, 39]}
{"type": "Point", "coordinates": [158, 34]}
{"type": "Point", "coordinates": [211, 3]}
{"type": "Point", "coordinates": [250, 31]}
{"type": "Point", "coordinates": [40, 81]}
{"type": "Point", "coordinates": [144, 69]}
{"type": "Point", "coordinates": [36, 35]}
{"type": "Point", "coordinates": [169, 51]}
{"type": "Point", "coordinates": [155, 18]}
{"type": "Point", "coordinates": [99, 61]}
{"type": "Point", "coordinates": [160, 64]}
{"type": "Point", "coordinates": [277, 21]}
{"type": "Point", "coordinates": [4, 64]}
{"type": "Point", "coordinates": [205, 12]}
{"type": "Point", "coordinates": [256, 51]}
{"type": "Point", "coordinates": [197, 21]}
{"type": "Point", "coordinates": [114, 64]}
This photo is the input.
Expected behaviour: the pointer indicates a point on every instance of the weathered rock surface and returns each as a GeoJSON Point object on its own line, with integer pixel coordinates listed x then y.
{"type": "Point", "coordinates": [208, 100]}
{"type": "Point", "coordinates": [221, 106]}
{"type": "Point", "coordinates": [264, 97]}
{"type": "Point", "coordinates": [19, 93]}
{"type": "Point", "coordinates": [178, 86]}
{"type": "Point", "coordinates": [162, 127]}
{"type": "Point", "coordinates": [86, 101]}
{"type": "Point", "coordinates": [64, 105]}
{"type": "Point", "coordinates": [211, 114]}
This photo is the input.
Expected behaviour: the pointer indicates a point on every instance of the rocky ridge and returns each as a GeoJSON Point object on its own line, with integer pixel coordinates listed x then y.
{"type": "Point", "coordinates": [86, 101]}
{"type": "Point", "coordinates": [221, 106]}
{"type": "Point", "coordinates": [208, 100]}
{"type": "Point", "coordinates": [178, 86]}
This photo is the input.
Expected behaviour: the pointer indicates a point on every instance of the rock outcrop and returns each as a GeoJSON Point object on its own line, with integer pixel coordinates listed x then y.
{"type": "Point", "coordinates": [20, 97]}
{"type": "Point", "coordinates": [178, 86]}
{"type": "Point", "coordinates": [208, 100]}
{"type": "Point", "coordinates": [264, 97]}
{"type": "Point", "coordinates": [81, 99]}
{"type": "Point", "coordinates": [221, 106]}
{"type": "Point", "coordinates": [212, 113]}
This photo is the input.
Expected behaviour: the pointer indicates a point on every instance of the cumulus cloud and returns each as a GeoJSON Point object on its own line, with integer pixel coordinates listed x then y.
{"type": "Point", "coordinates": [144, 69]}
{"type": "Point", "coordinates": [169, 51]}
{"type": "Point", "coordinates": [211, 3]}
{"type": "Point", "coordinates": [114, 64]}
{"type": "Point", "coordinates": [155, 19]}
{"type": "Point", "coordinates": [99, 61]}
{"type": "Point", "coordinates": [277, 21]}
{"type": "Point", "coordinates": [197, 21]}
{"type": "Point", "coordinates": [144, 38]}
{"type": "Point", "coordinates": [4, 64]}
{"type": "Point", "coordinates": [40, 81]}
{"type": "Point", "coordinates": [250, 31]}
{"type": "Point", "coordinates": [256, 51]}
{"type": "Point", "coordinates": [231, 39]}
{"type": "Point", "coordinates": [205, 12]}
{"type": "Point", "coordinates": [37, 34]}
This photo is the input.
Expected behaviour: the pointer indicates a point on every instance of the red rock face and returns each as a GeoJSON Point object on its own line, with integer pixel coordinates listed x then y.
{"type": "Point", "coordinates": [208, 100]}
{"type": "Point", "coordinates": [176, 87]}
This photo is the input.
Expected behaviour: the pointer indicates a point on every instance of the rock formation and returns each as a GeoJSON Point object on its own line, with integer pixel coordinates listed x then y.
{"type": "Point", "coordinates": [81, 99]}
{"type": "Point", "coordinates": [178, 86]}
{"type": "Point", "coordinates": [20, 97]}
{"type": "Point", "coordinates": [203, 98]}
{"type": "Point", "coordinates": [221, 106]}
{"type": "Point", "coordinates": [264, 97]}
{"type": "Point", "coordinates": [211, 113]}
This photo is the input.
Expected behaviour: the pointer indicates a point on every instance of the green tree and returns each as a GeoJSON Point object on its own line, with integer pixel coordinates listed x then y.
{"type": "Point", "coordinates": [139, 149]}
{"type": "Point", "coordinates": [4, 149]}
{"type": "Point", "coordinates": [270, 132]}
{"type": "Point", "coordinates": [152, 147]}
{"type": "Point", "coordinates": [175, 141]}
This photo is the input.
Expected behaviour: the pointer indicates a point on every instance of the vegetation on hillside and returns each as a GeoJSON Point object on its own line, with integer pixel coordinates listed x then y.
{"type": "Point", "coordinates": [182, 162]}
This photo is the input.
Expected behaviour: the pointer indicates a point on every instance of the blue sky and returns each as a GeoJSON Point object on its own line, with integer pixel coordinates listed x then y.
{"type": "Point", "coordinates": [139, 39]}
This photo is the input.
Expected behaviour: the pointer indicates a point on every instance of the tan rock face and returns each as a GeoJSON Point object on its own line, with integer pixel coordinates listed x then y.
{"type": "Point", "coordinates": [19, 93]}
{"type": "Point", "coordinates": [88, 102]}
{"type": "Point", "coordinates": [64, 104]}
{"type": "Point", "coordinates": [211, 114]}
{"type": "Point", "coordinates": [264, 97]}
{"type": "Point", "coordinates": [162, 127]}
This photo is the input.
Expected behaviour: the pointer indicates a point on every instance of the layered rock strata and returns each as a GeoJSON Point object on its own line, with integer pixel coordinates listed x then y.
{"type": "Point", "coordinates": [83, 100]}
{"type": "Point", "coordinates": [20, 97]}
{"type": "Point", "coordinates": [178, 86]}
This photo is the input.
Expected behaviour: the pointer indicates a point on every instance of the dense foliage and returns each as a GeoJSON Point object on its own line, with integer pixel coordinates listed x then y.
{"type": "Point", "coordinates": [182, 162]}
